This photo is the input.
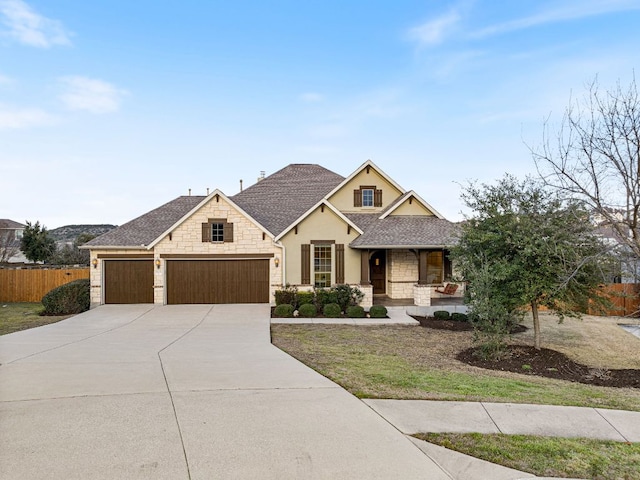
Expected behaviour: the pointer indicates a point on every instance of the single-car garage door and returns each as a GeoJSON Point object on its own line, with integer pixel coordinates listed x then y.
{"type": "Point", "coordinates": [217, 281]}
{"type": "Point", "coordinates": [128, 281]}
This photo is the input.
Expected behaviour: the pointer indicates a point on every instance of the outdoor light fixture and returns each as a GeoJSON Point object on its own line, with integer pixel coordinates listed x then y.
{"type": "Point", "coordinates": [94, 262]}
{"type": "Point", "coordinates": [276, 261]}
{"type": "Point", "coordinates": [157, 262]}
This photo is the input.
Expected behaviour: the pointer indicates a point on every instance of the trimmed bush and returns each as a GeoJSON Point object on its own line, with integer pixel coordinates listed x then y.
{"type": "Point", "coordinates": [347, 295]}
{"type": "Point", "coordinates": [286, 296]}
{"type": "Point", "coordinates": [332, 310]}
{"type": "Point", "coordinates": [355, 311]}
{"type": "Point", "coordinates": [67, 299]}
{"type": "Point", "coordinates": [459, 317]}
{"type": "Point", "coordinates": [324, 296]}
{"type": "Point", "coordinates": [303, 298]}
{"type": "Point", "coordinates": [441, 315]}
{"type": "Point", "coordinates": [283, 310]}
{"type": "Point", "coordinates": [308, 310]}
{"type": "Point", "coordinates": [378, 311]}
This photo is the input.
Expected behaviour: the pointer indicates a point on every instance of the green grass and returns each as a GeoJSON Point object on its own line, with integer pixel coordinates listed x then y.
{"type": "Point", "coordinates": [546, 456]}
{"type": "Point", "coordinates": [404, 363]}
{"type": "Point", "coordinates": [21, 316]}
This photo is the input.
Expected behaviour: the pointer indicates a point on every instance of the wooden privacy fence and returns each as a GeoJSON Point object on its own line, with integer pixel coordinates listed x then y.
{"type": "Point", "coordinates": [624, 296]}
{"type": "Point", "coordinates": [30, 285]}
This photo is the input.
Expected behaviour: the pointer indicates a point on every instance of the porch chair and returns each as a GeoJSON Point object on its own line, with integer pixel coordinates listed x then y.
{"type": "Point", "coordinates": [449, 289]}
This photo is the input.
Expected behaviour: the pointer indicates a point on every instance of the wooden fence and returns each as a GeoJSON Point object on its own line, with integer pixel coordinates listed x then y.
{"type": "Point", "coordinates": [30, 285]}
{"type": "Point", "coordinates": [625, 298]}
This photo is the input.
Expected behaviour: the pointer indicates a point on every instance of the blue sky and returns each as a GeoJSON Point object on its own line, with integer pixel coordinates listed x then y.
{"type": "Point", "coordinates": [110, 109]}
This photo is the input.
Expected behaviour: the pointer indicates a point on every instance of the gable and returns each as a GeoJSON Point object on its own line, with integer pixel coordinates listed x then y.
{"type": "Point", "coordinates": [240, 233]}
{"type": "Point", "coordinates": [368, 177]}
{"type": "Point", "coordinates": [411, 206]}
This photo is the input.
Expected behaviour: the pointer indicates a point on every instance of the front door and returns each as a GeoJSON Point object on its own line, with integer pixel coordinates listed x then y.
{"type": "Point", "coordinates": [378, 271]}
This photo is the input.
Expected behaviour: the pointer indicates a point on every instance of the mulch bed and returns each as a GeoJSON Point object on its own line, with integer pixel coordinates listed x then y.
{"type": "Point", "coordinates": [553, 364]}
{"type": "Point", "coordinates": [454, 325]}
{"type": "Point", "coordinates": [544, 362]}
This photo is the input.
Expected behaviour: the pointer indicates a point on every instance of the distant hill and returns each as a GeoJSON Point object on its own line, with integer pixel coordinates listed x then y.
{"type": "Point", "coordinates": [69, 233]}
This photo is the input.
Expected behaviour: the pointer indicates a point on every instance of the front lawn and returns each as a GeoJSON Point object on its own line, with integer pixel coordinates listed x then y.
{"type": "Point", "coordinates": [21, 316]}
{"type": "Point", "coordinates": [412, 362]}
{"type": "Point", "coordinates": [546, 456]}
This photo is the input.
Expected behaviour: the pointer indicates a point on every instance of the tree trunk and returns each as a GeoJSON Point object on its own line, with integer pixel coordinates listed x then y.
{"type": "Point", "coordinates": [536, 325]}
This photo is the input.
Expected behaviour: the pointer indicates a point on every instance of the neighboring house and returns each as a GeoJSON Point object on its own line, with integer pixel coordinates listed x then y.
{"type": "Point", "coordinates": [304, 226]}
{"type": "Point", "coordinates": [10, 238]}
{"type": "Point", "coordinates": [627, 266]}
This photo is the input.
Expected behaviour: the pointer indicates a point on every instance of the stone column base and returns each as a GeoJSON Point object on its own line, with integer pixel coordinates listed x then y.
{"type": "Point", "coordinates": [367, 300]}
{"type": "Point", "coordinates": [422, 295]}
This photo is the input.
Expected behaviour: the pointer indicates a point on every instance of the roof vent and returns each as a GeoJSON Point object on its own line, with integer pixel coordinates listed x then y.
{"type": "Point", "coordinates": [261, 177]}
{"type": "Point", "coordinates": [240, 184]}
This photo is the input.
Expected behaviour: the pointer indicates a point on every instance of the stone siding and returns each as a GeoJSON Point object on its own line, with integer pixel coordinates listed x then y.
{"type": "Point", "coordinates": [402, 273]}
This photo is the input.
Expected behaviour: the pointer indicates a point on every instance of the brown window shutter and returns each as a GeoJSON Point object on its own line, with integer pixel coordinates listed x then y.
{"type": "Point", "coordinates": [339, 263]}
{"type": "Point", "coordinates": [206, 232]}
{"type": "Point", "coordinates": [305, 275]}
{"type": "Point", "coordinates": [228, 232]}
{"type": "Point", "coordinates": [357, 198]}
{"type": "Point", "coordinates": [377, 198]}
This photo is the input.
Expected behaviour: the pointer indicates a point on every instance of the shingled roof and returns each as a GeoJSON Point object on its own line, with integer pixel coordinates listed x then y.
{"type": "Point", "coordinates": [5, 223]}
{"type": "Point", "coordinates": [281, 198]}
{"type": "Point", "coordinates": [406, 231]}
{"type": "Point", "coordinates": [145, 229]}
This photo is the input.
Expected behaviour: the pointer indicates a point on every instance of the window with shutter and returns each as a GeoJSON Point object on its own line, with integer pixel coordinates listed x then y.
{"type": "Point", "coordinates": [339, 263]}
{"type": "Point", "coordinates": [305, 262]}
{"type": "Point", "coordinates": [217, 230]}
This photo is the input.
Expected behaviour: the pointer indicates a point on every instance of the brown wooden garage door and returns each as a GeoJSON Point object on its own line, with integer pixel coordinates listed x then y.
{"type": "Point", "coordinates": [128, 281]}
{"type": "Point", "coordinates": [217, 281]}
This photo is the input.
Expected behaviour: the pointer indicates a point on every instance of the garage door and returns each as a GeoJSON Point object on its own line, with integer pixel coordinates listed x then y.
{"type": "Point", "coordinates": [217, 281]}
{"type": "Point", "coordinates": [128, 281]}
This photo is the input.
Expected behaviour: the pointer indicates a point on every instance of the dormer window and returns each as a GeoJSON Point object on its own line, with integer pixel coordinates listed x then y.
{"type": "Point", "coordinates": [367, 196]}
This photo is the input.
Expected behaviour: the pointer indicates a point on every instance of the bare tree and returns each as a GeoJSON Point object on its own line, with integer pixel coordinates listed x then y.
{"type": "Point", "coordinates": [595, 157]}
{"type": "Point", "coordinates": [9, 246]}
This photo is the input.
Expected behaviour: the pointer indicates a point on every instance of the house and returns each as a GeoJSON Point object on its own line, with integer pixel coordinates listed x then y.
{"type": "Point", "coordinates": [303, 225]}
{"type": "Point", "coordinates": [10, 237]}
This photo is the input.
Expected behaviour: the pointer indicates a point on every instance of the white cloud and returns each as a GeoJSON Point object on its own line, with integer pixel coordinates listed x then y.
{"type": "Point", "coordinates": [435, 31]}
{"type": "Point", "coordinates": [23, 117]}
{"type": "Point", "coordinates": [91, 95]}
{"type": "Point", "coordinates": [311, 97]}
{"type": "Point", "coordinates": [572, 11]}
{"type": "Point", "coordinates": [27, 26]}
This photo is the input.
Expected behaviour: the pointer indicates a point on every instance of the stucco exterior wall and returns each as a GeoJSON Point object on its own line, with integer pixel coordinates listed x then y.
{"type": "Point", "coordinates": [402, 273]}
{"type": "Point", "coordinates": [321, 225]}
{"type": "Point", "coordinates": [413, 208]}
{"type": "Point", "coordinates": [343, 198]}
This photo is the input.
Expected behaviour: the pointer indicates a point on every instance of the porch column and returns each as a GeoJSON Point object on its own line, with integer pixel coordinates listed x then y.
{"type": "Point", "coordinates": [422, 267]}
{"type": "Point", "coordinates": [364, 267]}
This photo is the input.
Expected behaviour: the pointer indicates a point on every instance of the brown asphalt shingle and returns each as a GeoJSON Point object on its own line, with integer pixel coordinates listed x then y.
{"type": "Point", "coordinates": [407, 231]}
{"type": "Point", "coordinates": [145, 229]}
{"type": "Point", "coordinates": [278, 200]}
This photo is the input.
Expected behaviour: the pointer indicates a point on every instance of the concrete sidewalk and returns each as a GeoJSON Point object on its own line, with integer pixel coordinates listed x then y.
{"type": "Point", "coordinates": [422, 416]}
{"type": "Point", "coordinates": [183, 392]}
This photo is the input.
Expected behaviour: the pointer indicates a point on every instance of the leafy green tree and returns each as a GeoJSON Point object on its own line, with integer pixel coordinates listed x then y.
{"type": "Point", "coordinates": [36, 243]}
{"type": "Point", "coordinates": [525, 246]}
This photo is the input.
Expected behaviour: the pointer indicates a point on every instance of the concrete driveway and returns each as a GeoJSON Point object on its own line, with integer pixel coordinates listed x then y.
{"type": "Point", "coordinates": [183, 392]}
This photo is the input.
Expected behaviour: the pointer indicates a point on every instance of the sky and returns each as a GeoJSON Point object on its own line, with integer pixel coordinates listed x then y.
{"type": "Point", "coordinates": [111, 109]}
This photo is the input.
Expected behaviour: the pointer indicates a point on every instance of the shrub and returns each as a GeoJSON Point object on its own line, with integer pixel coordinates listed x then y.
{"type": "Point", "coordinates": [347, 295]}
{"type": "Point", "coordinates": [286, 296]}
{"type": "Point", "coordinates": [283, 310]}
{"type": "Point", "coordinates": [355, 311]}
{"type": "Point", "coordinates": [441, 315]}
{"type": "Point", "coordinates": [308, 310]}
{"type": "Point", "coordinates": [324, 296]}
{"type": "Point", "coordinates": [304, 298]}
{"type": "Point", "coordinates": [378, 311]}
{"type": "Point", "coordinates": [67, 299]}
{"type": "Point", "coordinates": [459, 317]}
{"type": "Point", "coordinates": [332, 310]}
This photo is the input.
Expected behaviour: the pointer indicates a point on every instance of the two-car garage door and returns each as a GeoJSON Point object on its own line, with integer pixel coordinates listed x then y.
{"type": "Point", "coordinates": [188, 281]}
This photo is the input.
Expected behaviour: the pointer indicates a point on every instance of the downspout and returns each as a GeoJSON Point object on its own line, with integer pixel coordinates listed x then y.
{"type": "Point", "coordinates": [283, 262]}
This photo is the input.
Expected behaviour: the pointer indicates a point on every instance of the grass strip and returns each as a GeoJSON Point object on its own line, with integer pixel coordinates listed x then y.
{"type": "Point", "coordinates": [21, 316]}
{"type": "Point", "coordinates": [547, 456]}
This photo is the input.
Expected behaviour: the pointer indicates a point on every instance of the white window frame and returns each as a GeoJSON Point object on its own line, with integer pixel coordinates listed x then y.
{"type": "Point", "coordinates": [331, 272]}
{"type": "Point", "coordinates": [372, 191]}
